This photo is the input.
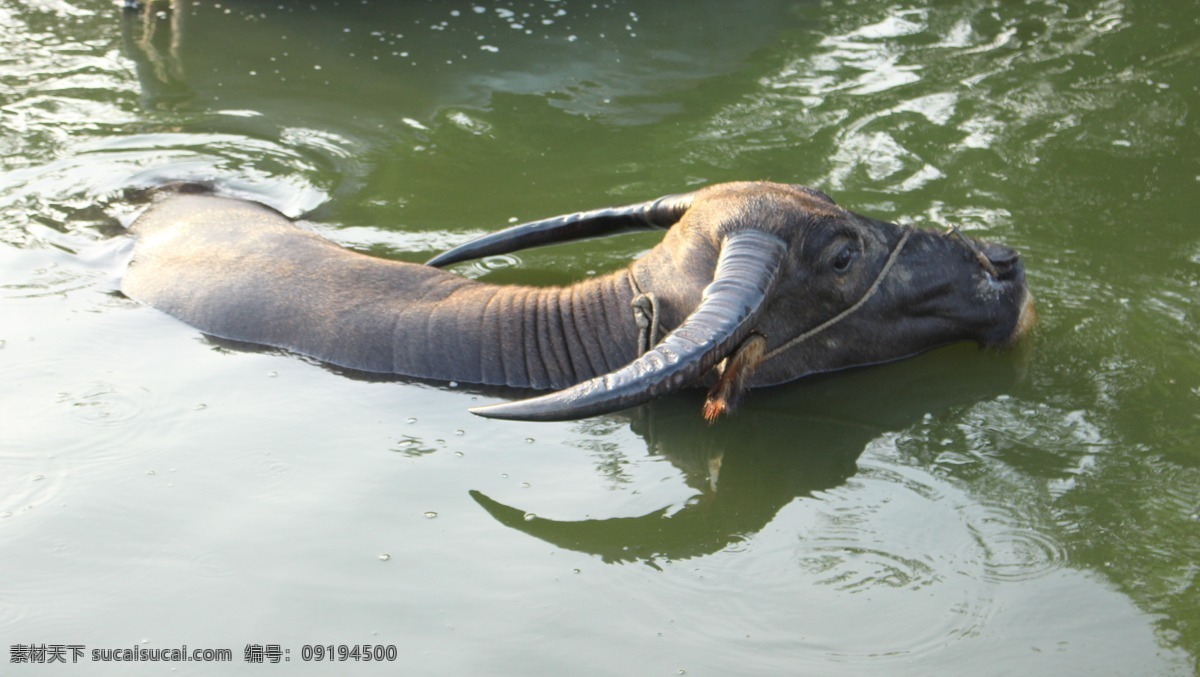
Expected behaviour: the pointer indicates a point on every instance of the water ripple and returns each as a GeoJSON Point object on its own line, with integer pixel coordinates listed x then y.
{"type": "Point", "coordinates": [104, 404]}
{"type": "Point", "coordinates": [1011, 549]}
{"type": "Point", "coordinates": [852, 568]}
{"type": "Point", "coordinates": [893, 530]}
{"type": "Point", "coordinates": [42, 273]}
{"type": "Point", "coordinates": [89, 424]}
{"type": "Point", "coordinates": [490, 264]}
{"type": "Point", "coordinates": [30, 482]}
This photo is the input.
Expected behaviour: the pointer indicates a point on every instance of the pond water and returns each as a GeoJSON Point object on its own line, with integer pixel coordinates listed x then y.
{"type": "Point", "coordinates": [1035, 511]}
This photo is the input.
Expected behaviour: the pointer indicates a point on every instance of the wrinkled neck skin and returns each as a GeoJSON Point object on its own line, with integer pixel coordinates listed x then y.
{"type": "Point", "coordinates": [526, 337]}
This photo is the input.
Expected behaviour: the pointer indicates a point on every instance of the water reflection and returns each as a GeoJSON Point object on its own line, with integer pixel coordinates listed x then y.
{"type": "Point", "coordinates": [404, 60]}
{"type": "Point", "coordinates": [153, 40]}
{"type": "Point", "coordinates": [786, 443]}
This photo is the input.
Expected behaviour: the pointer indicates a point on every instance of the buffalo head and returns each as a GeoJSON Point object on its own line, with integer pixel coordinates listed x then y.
{"type": "Point", "coordinates": [761, 283]}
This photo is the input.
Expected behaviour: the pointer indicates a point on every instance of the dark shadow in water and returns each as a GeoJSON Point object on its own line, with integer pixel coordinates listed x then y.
{"type": "Point", "coordinates": [787, 442]}
{"type": "Point", "coordinates": [395, 59]}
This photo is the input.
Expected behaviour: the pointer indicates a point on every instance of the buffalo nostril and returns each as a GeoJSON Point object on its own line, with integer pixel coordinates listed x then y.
{"type": "Point", "coordinates": [1003, 259]}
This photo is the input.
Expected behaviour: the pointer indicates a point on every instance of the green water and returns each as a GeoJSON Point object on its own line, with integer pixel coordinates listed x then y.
{"type": "Point", "coordinates": [1028, 512]}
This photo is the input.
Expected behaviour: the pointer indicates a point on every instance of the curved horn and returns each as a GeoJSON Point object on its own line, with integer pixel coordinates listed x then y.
{"type": "Point", "coordinates": [660, 213]}
{"type": "Point", "coordinates": [746, 274]}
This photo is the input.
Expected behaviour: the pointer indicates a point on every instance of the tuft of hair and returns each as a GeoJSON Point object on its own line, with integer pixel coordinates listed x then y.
{"type": "Point", "coordinates": [730, 388]}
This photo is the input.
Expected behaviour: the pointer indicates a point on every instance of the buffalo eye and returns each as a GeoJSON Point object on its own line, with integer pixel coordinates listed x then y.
{"type": "Point", "coordinates": [845, 258]}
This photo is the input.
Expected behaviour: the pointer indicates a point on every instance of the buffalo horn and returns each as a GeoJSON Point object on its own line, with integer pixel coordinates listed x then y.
{"type": "Point", "coordinates": [660, 213]}
{"type": "Point", "coordinates": [746, 273]}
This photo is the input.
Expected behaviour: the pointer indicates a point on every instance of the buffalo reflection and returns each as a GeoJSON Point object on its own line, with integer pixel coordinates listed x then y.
{"type": "Point", "coordinates": [789, 442]}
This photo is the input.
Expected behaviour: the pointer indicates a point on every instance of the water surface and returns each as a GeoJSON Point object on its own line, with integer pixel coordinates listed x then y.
{"type": "Point", "coordinates": [966, 512]}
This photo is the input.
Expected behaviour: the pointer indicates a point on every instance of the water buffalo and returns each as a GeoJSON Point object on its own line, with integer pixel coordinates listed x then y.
{"type": "Point", "coordinates": [754, 284]}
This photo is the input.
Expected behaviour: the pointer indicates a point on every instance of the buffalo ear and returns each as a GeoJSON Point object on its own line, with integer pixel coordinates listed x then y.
{"type": "Point", "coordinates": [746, 274]}
{"type": "Point", "coordinates": [660, 213]}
